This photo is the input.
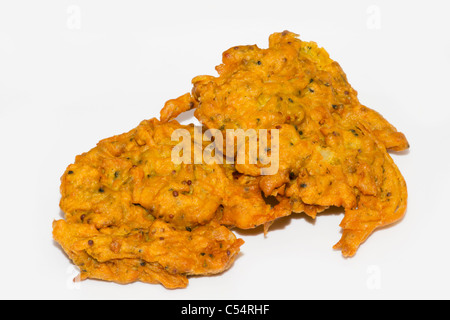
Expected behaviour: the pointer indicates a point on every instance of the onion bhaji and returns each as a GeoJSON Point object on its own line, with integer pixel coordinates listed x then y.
{"type": "Point", "coordinates": [133, 214]}
{"type": "Point", "coordinates": [333, 149]}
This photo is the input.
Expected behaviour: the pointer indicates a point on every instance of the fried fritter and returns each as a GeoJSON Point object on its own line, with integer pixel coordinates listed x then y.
{"type": "Point", "coordinates": [137, 168]}
{"type": "Point", "coordinates": [333, 150]}
{"type": "Point", "coordinates": [132, 214]}
{"type": "Point", "coordinates": [246, 207]}
{"type": "Point", "coordinates": [159, 253]}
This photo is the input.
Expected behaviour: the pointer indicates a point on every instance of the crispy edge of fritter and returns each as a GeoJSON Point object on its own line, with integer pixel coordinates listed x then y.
{"type": "Point", "coordinates": [159, 254]}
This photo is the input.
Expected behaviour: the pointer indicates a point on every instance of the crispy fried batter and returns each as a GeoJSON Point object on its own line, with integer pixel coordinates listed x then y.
{"type": "Point", "coordinates": [133, 214]}
{"type": "Point", "coordinates": [332, 148]}
{"type": "Point", "coordinates": [245, 207]}
{"type": "Point", "coordinates": [156, 254]}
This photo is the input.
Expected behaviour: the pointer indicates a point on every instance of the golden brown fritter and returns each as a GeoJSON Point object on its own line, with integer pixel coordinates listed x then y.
{"type": "Point", "coordinates": [332, 148]}
{"type": "Point", "coordinates": [133, 214]}
{"type": "Point", "coordinates": [159, 253]}
{"type": "Point", "coordinates": [246, 207]}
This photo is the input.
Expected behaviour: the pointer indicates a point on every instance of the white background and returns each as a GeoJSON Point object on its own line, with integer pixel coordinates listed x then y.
{"type": "Point", "coordinates": [74, 72]}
